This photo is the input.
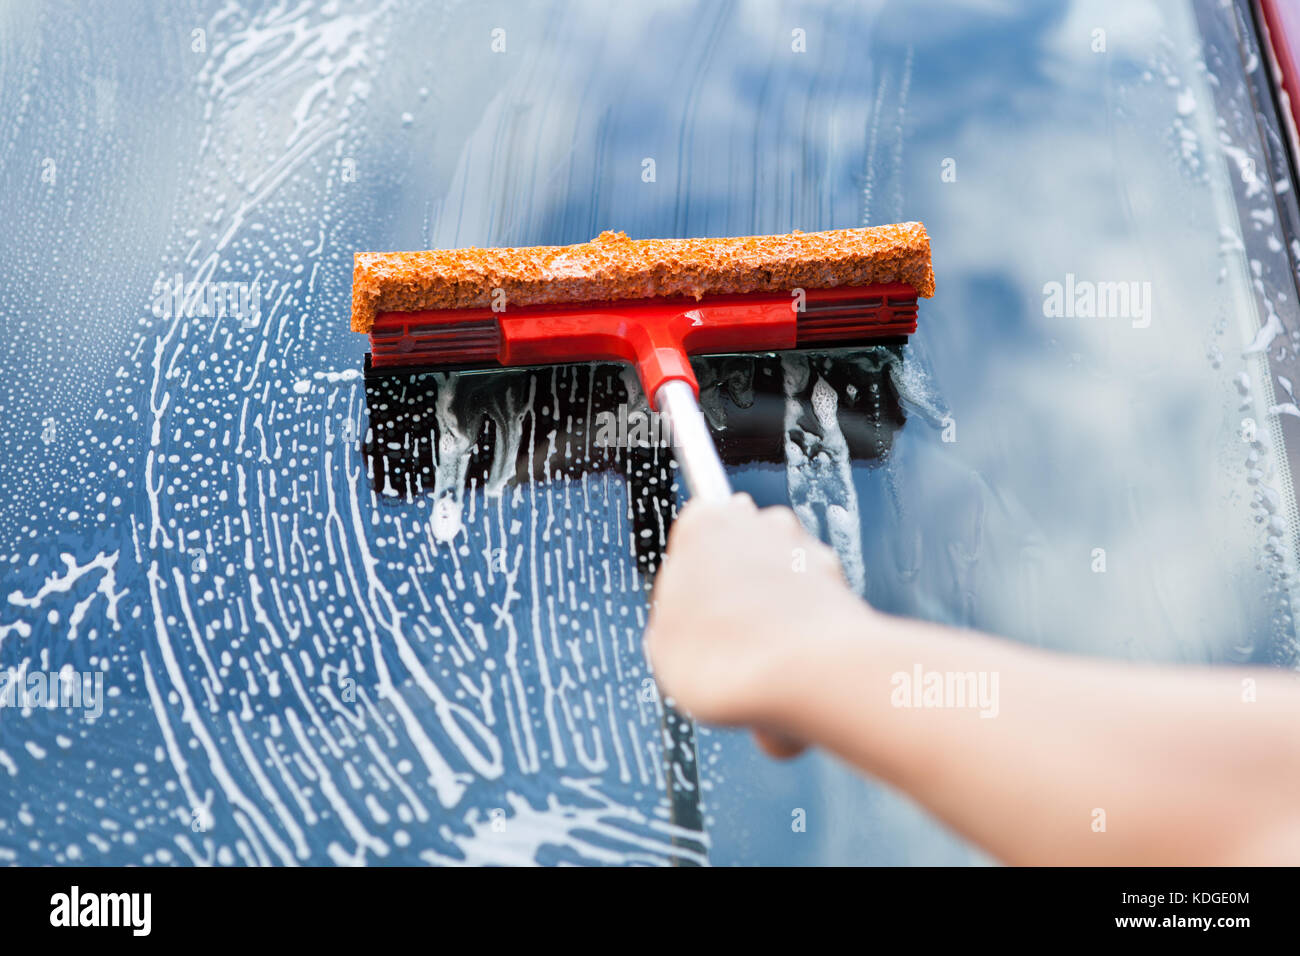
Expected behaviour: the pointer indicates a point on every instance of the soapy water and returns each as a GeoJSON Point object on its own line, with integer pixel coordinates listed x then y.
{"type": "Point", "coordinates": [305, 667]}
{"type": "Point", "coordinates": [363, 642]}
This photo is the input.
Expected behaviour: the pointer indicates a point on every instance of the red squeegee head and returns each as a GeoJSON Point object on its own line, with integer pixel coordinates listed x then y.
{"type": "Point", "coordinates": [656, 335]}
{"type": "Point", "coordinates": [651, 303]}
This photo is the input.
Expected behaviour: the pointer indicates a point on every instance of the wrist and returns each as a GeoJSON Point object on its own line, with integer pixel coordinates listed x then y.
{"type": "Point", "coordinates": [830, 670]}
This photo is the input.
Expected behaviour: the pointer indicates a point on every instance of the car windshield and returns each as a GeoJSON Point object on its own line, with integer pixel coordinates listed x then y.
{"type": "Point", "coordinates": [315, 616]}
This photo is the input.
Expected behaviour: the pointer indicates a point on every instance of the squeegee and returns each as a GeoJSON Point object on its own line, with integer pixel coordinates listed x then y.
{"type": "Point", "coordinates": [651, 302]}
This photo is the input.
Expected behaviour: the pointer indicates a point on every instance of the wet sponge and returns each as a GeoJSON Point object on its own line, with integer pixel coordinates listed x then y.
{"type": "Point", "coordinates": [613, 267]}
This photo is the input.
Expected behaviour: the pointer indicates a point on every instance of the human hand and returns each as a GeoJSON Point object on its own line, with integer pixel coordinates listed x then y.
{"type": "Point", "coordinates": [742, 595]}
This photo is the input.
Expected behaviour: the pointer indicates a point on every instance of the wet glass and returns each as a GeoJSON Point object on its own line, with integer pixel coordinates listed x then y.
{"type": "Point", "coordinates": [397, 620]}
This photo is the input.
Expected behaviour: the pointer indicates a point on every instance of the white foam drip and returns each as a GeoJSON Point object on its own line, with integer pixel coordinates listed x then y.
{"type": "Point", "coordinates": [819, 471]}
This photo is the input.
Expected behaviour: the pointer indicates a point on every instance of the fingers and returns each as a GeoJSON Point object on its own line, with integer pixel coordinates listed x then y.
{"type": "Point", "coordinates": [777, 746]}
{"type": "Point", "coordinates": [782, 519]}
{"type": "Point", "coordinates": [729, 597]}
{"type": "Point", "coordinates": [741, 502]}
{"type": "Point", "coordinates": [700, 518]}
{"type": "Point", "coordinates": [739, 524]}
{"type": "Point", "coordinates": [738, 504]}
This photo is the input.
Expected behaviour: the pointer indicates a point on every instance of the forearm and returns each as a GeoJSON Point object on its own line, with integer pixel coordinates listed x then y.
{"type": "Point", "coordinates": [1174, 764]}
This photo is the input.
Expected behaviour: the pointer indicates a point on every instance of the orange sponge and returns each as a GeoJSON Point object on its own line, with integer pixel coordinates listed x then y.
{"type": "Point", "coordinates": [613, 267]}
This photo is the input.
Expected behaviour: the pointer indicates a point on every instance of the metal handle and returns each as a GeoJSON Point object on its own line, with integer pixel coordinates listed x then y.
{"type": "Point", "coordinates": [696, 453]}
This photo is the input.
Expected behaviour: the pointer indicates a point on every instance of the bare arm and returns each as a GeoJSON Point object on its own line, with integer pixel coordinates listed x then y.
{"type": "Point", "coordinates": [1039, 758]}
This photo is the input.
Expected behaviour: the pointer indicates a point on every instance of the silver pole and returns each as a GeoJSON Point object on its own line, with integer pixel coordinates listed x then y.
{"type": "Point", "coordinates": [696, 453]}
